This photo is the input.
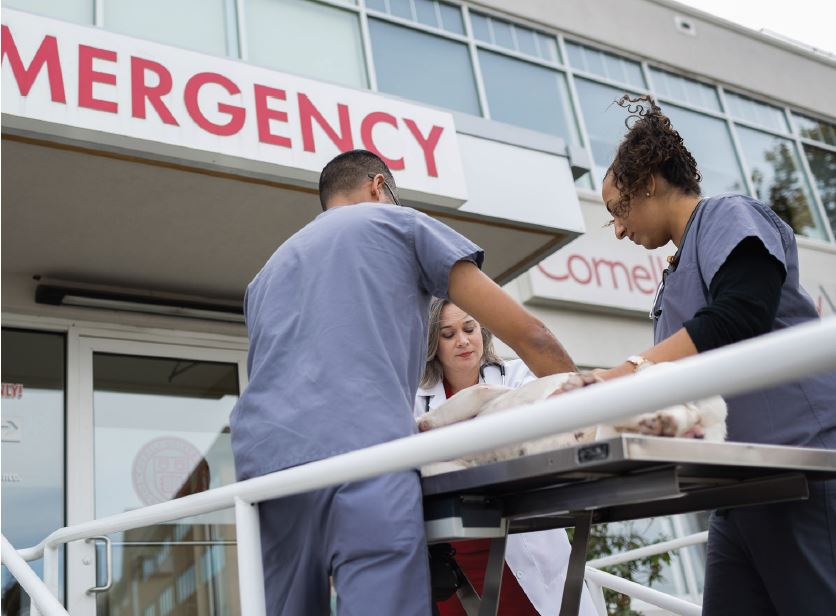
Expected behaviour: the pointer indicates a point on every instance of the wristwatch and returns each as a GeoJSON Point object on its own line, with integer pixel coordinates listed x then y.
{"type": "Point", "coordinates": [638, 361]}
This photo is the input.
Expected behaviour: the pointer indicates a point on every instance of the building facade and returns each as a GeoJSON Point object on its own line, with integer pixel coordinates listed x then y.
{"type": "Point", "coordinates": [155, 153]}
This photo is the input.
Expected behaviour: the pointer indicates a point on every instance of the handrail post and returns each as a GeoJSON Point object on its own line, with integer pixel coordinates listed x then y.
{"type": "Point", "coordinates": [250, 565]}
{"type": "Point", "coordinates": [596, 591]}
{"type": "Point", "coordinates": [50, 575]}
{"type": "Point", "coordinates": [51, 568]}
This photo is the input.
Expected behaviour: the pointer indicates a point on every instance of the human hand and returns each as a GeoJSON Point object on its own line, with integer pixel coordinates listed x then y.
{"type": "Point", "coordinates": [577, 380]}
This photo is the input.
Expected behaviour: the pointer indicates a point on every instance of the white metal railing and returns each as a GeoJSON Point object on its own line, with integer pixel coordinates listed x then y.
{"type": "Point", "coordinates": [649, 550]}
{"type": "Point", "coordinates": [793, 354]}
{"type": "Point", "coordinates": [597, 580]}
{"type": "Point", "coordinates": [30, 582]}
{"type": "Point", "coordinates": [637, 591]}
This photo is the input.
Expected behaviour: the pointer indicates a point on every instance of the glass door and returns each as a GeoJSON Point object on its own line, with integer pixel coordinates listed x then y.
{"type": "Point", "coordinates": [153, 425]}
{"type": "Point", "coordinates": [33, 393]}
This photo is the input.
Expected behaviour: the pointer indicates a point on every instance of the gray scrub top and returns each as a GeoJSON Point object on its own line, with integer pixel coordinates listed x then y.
{"type": "Point", "coordinates": [337, 324]}
{"type": "Point", "coordinates": [802, 413]}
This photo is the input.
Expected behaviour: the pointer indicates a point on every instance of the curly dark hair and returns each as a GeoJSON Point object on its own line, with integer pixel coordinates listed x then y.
{"type": "Point", "coordinates": [651, 146]}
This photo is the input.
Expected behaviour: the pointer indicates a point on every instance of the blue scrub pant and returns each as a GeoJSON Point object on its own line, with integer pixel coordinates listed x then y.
{"type": "Point", "coordinates": [774, 559]}
{"type": "Point", "coordinates": [368, 535]}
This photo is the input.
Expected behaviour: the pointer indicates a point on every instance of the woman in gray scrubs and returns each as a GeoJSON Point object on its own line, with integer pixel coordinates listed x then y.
{"type": "Point", "coordinates": [734, 276]}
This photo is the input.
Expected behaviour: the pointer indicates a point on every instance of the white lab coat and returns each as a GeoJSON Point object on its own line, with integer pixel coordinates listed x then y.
{"type": "Point", "coordinates": [539, 559]}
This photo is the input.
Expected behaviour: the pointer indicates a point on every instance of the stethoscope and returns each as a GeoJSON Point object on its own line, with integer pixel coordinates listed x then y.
{"type": "Point", "coordinates": [499, 365]}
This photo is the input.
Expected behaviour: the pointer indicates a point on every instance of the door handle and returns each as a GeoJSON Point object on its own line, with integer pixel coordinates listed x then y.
{"type": "Point", "coordinates": [108, 564]}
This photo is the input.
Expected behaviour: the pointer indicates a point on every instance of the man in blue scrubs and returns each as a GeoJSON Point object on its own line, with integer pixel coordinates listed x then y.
{"type": "Point", "coordinates": [337, 323]}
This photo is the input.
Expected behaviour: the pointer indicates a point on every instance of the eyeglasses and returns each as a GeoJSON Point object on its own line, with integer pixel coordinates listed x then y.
{"type": "Point", "coordinates": [372, 176]}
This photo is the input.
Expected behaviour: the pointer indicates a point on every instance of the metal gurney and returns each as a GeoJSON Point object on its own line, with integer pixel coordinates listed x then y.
{"type": "Point", "coordinates": [623, 478]}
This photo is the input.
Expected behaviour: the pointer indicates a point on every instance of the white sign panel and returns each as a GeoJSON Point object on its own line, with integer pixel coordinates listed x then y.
{"type": "Point", "coordinates": [87, 78]}
{"type": "Point", "coordinates": [598, 270]}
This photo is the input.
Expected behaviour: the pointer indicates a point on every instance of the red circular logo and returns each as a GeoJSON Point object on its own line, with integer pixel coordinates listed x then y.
{"type": "Point", "coordinates": [168, 467]}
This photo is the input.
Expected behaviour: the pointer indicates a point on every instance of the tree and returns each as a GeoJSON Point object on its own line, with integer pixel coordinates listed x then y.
{"type": "Point", "coordinates": [607, 539]}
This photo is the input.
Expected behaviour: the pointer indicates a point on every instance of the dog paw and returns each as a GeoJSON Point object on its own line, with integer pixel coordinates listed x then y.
{"type": "Point", "coordinates": [652, 424]}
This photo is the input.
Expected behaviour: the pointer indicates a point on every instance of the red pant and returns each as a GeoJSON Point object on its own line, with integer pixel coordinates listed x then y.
{"type": "Point", "coordinates": [472, 557]}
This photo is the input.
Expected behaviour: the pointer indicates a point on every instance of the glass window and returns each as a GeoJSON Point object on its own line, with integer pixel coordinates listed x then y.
{"type": "Point", "coordinates": [685, 90]}
{"type": "Point", "coordinates": [547, 45]}
{"type": "Point", "coordinates": [708, 139]}
{"type": "Point", "coordinates": [76, 11]}
{"type": "Point", "coordinates": [33, 446]}
{"type": "Point", "coordinates": [777, 179]}
{"type": "Point", "coordinates": [451, 17]}
{"type": "Point", "coordinates": [423, 67]}
{"type": "Point", "coordinates": [604, 121]}
{"type": "Point", "coordinates": [179, 26]}
{"type": "Point", "coordinates": [756, 112]}
{"type": "Point", "coordinates": [307, 38]}
{"type": "Point", "coordinates": [514, 37]}
{"type": "Point", "coordinates": [481, 27]}
{"type": "Point", "coordinates": [823, 165]}
{"type": "Point", "coordinates": [526, 41]}
{"type": "Point", "coordinates": [818, 130]}
{"type": "Point", "coordinates": [545, 107]}
{"type": "Point", "coordinates": [428, 12]}
{"type": "Point", "coordinates": [503, 34]}
{"type": "Point", "coordinates": [401, 8]}
{"type": "Point", "coordinates": [605, 64]}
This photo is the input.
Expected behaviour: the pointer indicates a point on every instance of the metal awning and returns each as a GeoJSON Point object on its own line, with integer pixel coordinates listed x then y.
{"type": "Point", "coordinates": [76, 213]}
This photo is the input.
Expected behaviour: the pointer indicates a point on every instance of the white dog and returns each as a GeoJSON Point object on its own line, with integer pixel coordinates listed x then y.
{"type": "Point", "coordinates": [702, 419]}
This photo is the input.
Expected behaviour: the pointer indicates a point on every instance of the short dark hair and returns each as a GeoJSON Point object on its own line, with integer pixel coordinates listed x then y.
{"type": "Point", "coordinates": [348, 171]}
{"type": "Point", "coordinates": [651, 146]}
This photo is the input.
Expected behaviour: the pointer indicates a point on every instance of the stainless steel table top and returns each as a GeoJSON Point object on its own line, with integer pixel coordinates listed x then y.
{"type": "Point", "coordinates": [630, 477]}
{"type": "Point", "coordinates": [696, 461]}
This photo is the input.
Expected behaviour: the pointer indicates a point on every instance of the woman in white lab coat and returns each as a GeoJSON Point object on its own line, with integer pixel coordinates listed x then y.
{"type": "Point", "coordinates": [460, 353]}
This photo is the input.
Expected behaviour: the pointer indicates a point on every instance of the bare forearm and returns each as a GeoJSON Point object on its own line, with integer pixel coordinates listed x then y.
{"type": "Point", "coordinates": [543, 353]}
{"type": "Point", "coordinates": [675, 347]}
{"type": "Point", "coordinates": [480, 297]}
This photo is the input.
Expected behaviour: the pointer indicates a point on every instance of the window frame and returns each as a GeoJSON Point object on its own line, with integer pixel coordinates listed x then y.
{"type": "Point", "coordinates": [237, 45]}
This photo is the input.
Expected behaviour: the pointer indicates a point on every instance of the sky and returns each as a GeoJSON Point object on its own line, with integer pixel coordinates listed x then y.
{"type": "Point", "coordinates": [809, 21]}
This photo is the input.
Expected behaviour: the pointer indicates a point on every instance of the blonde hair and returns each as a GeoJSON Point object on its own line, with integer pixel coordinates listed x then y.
{"type": "Point", "coordinates": [433, 371]}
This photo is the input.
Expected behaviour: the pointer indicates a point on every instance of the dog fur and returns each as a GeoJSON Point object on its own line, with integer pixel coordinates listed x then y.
{"type": "Point", "coordinates": [701, 419]}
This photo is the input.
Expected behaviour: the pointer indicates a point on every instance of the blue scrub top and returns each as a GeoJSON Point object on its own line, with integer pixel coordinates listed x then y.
{"type": "Point", "coordinates": [337, 324]}
{"type": "Point", "coordinates": [802, 413]}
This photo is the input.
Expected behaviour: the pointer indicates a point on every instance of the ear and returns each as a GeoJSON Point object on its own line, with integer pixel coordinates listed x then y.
{"type": "Point", "coordinates": [651, 185]}
{"type": "Point", "coordinates": [377, 190]}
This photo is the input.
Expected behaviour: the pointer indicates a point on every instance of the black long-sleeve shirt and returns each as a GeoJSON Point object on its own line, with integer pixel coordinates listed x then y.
{"type": "Point", "coordinates": [743, 298]}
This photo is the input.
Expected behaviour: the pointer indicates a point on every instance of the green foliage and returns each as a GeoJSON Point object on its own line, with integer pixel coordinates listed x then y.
{"type": "Point", "coordinates": [608, 539]}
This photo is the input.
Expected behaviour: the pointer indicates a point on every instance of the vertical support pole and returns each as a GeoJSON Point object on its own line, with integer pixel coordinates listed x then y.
{"type": "Point", "coordinates": [51, 569]}
{"type": "Point", "coordinates": [50, 575]}
{"type": "Point", "coordinates": [250, 566]}
{"type": "Point", "coordinates": [571, 602]}
{"type": "Point", "coordinates": [596, 591]}
{"type": "Point", "coordinates": [493, 578]}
